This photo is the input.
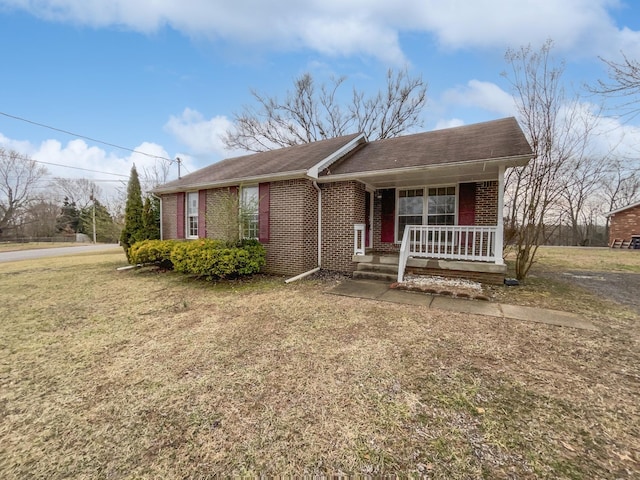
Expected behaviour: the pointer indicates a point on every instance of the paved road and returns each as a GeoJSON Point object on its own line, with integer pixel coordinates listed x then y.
{"type": "Point", "coordinates": [53, 252]}
{"type": "Point", "coordinates": [619, 287]}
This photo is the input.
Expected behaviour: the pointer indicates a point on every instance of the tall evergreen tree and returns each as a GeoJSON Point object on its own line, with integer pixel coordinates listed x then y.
{"type": "Point", "coordinates": [151, 218]}
{"type": "Point", "coordinates": [107, 230]}
{"type": "Point", "coordinates": [69, 219]}
{"type": "Point", "coordinates": [133, 230]}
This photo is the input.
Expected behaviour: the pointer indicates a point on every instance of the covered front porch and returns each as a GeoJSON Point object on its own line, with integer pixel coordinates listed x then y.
{"type": "Point", "coordinates": [450, 226]}
{"type": "Point", "coordinates": [471, 252]}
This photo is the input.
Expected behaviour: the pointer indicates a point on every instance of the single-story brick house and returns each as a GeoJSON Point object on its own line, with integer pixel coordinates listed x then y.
{"type": "Point", "coordinates": [429, 202]}
{"type": "Point", "coordinates": [624, 223]}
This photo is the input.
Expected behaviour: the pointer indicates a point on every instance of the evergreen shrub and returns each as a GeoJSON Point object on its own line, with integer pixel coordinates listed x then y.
{"type": "Point", "coordinates": [203, 258]}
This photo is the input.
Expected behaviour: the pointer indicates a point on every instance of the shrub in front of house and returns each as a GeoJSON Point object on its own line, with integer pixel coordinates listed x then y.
{"type": "Point", "coordinates": [151, 251]}
{"type": "Point", "coordinates": [204, 258]}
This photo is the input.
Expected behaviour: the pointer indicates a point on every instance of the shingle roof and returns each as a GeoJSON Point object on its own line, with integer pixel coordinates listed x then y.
{"type": "Point", "coordinates": [496, 139]}
{"type": "Point", "coordinates": [622, 209]}
{"type": "Point", "coordinates": [481, 141]}
{"type": "Point", "coordinates": [296, 159]}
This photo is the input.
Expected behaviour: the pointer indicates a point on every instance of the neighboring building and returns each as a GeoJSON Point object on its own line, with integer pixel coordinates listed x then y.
{"type": "Point", "coordinates": [624, 225]}
{"type": "Point", "coordinates": [347, 204]}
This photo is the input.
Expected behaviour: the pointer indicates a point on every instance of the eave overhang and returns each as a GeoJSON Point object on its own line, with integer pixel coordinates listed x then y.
{"type": "Point", "coordinates": [454, 172]}
{"type": "Point", "coordinates": [251, 180]}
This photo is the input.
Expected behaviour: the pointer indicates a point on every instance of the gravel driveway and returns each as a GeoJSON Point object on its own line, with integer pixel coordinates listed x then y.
{"type": "Point", "coordinates": [623, 288]}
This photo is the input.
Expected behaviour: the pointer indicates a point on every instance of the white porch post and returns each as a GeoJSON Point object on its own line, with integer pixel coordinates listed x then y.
{"type": "Point", "coordinates": [500, 230]}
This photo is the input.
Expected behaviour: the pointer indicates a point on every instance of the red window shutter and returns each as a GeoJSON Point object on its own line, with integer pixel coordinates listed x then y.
{"type": "Point", "coordinates": [180, 230]}
{"type": "Point", "coordinates": [388, 220]}
{"type": "Point", "coordinates": [202, 209]}
{"type": "Point", "coordinates": [467, 204]}
{"type": "Point", "coordinates": [263, 212]}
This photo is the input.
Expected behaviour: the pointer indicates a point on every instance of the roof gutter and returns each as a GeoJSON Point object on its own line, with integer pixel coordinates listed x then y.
{"type": "Point", "coordinates": [514, 161]}
{"type": "Point", "coordinates": [232, 182]}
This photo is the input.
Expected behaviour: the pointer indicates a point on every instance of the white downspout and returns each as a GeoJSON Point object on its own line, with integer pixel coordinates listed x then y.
{"type": "Point", "coordinates": [500, 227]}
{"type": "Point", "coordinates": [313, 270]}
{"type": "Point", "coordinates": [315, 184]}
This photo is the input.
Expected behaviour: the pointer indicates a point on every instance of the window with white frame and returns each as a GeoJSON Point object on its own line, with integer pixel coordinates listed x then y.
{"type": "Point", "coordinates": [249, 212]}
{"type": "Point", "coordinates": [441, 206]}
{"type": "Point", "coordinates": [425, 206]}
{"type": "Point", "coordinates": [410, 208]}
{"type": "Point", "coordinates": [192, 215]}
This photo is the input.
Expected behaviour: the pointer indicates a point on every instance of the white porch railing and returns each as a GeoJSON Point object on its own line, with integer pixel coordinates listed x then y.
{"type": "Point", "coordinates": [467, 242]}
{"type": "Point", "coordinates": [359, 238]}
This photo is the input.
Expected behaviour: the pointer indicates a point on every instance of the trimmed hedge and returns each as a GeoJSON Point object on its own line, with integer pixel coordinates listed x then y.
{"type": "Point", "coordinates": [151, 251]}
{"type": "Point", "coordinates": [204, 258]}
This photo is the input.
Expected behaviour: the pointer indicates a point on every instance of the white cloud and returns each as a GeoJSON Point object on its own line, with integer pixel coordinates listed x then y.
{"type": "Point", "coordinates": [449, 123]}
{"type": "Point", "coordinates": [201, 135]}
{"type": "Point", "coordinates": [361, 27]}
{"type": "Point", "coordinates": [485, 95]}
{"type": "Point", "coordinates": [76, 159]}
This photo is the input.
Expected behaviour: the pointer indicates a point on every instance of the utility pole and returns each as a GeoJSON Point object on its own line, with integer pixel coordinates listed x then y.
{"type": "Point", "coordinates": [93, 198]}
{"type": "Point", "coordinates": [178, 161]}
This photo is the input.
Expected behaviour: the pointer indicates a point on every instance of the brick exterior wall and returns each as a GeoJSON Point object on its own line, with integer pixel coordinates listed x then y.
{"type": "Point", "coordinates": [221, 215]}
{"type": "Point", "coordinates": [343, 205]}
{"type": "Point", "coordinates": [624, 224]}
{"type": "Point", "coordinates": [169, 216]}
{"type": "Point", "coordinates": [293, 242]}
{"type": "Point", "coordinates": [487, 203]}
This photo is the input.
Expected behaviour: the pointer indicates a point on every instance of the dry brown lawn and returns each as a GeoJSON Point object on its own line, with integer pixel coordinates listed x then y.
{"type": "Point", "coordinates": [146, 374]}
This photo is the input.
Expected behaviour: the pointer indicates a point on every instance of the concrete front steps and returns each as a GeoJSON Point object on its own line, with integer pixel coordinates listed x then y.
{"type": "Point", "coordinates": [384, 267]}
{"type": "Point", "coordinates": [376, 267]}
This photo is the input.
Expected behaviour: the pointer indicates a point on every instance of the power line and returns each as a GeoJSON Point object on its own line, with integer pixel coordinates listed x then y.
{"type": "Point", "coordinates": [84, 137]}
{"type": "Point", "coordinates": [75, 168]}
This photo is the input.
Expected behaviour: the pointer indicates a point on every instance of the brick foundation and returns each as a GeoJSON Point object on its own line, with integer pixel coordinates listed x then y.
{"type": "Point", "coordinates": [488, 278]}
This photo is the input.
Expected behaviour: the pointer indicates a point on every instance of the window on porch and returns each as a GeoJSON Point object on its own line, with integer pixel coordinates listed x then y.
{"type": "Point", "coordinates": [425, 206]}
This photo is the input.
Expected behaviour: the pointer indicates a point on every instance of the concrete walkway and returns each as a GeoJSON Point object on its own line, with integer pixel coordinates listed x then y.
{"type": "Point", "coordinates": [376, 290]}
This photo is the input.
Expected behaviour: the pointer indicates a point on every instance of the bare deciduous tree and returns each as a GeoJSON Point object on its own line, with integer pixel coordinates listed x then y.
{"type": "Point", "coordinates": [309, 114]}
{"type": "Point", "coordinates": [624, 84]}
{"type": "Point", "coordinates": [557, 130]}
{"type": "Point", "coordinates": [79, 191]}
{"type": "Point", "coordinates": [155, 175]}
{"type": "Point", "coordinates": [18, 179]}
{"type": "Point", "coordinates": [582, 180]}
{"type": "Point", "coordinates": [40, 219]}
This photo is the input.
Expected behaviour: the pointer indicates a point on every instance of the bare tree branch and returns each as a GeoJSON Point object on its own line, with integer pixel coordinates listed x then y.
{"type": "Point", "coordinates": [624, 83]}
{"type": "Point", "coordinates": [309, 114]}
{"type": "Point", "coordinates": [18, 179]}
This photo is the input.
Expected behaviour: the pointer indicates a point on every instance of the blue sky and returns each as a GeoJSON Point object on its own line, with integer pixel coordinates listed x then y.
{"type": "Point", "coordinates": [165, 77]}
